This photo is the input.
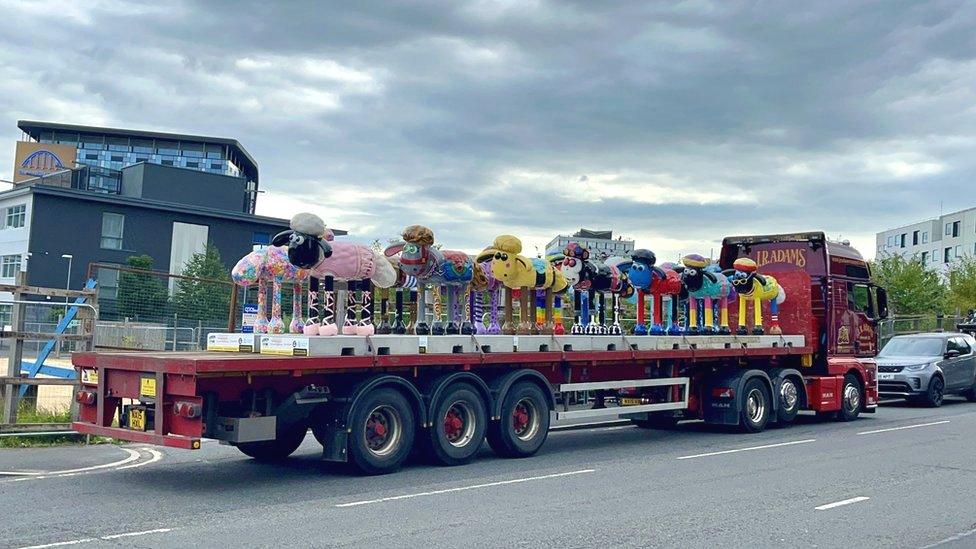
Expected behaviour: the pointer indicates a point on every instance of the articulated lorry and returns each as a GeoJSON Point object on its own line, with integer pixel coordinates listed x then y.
{"type": "Point", "coordinates": [371, 401]}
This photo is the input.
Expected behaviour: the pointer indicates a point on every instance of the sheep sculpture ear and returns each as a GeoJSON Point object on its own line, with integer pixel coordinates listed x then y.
{"type": "Point", "coordinates": [659, 272]}
{"type": "Point", "coordinates": [760, 278]}
{"type": "Point", "coordinates": [728, 272]}
{"type": "Point", "coordinates": [710, 276]}
{"type": "Point", "coordinates": [282, 238]}
{"type": "Point", "coordinates": [485, 255]}
{"type": "Point", "coordinates": [678, 268]}
{"type": "Point", "coordinates": [394, 248]}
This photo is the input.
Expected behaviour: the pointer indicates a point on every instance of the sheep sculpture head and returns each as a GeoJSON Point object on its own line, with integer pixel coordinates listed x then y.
{"type": "Point", "coordinates": [307, 240]}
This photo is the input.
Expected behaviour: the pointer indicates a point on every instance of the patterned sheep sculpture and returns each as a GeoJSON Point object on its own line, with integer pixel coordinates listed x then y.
{"type": "Point", "coordinates": [429, 265]}
{"type": "Point", "coordinates": [517, 272]}
{"type": "Point", "coordinates": [271, 264]}
{"type": "Point", "coordinates": [704, 283]}
{"type": "Point", "coordinates": [750, 285]}
{"type": "Point", "coordinates": [307, 242]}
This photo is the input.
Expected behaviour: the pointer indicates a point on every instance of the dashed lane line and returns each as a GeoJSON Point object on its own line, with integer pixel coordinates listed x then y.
{"type": "Point", "coordinates": [749, 449]}
{"type": "Point", "coordinates": [102, 538]}
{"type": "Point", "coordinates": [903, 427]}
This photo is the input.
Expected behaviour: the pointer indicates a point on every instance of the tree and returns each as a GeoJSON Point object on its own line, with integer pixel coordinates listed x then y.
{"type": "Point", "coordinates": [912, 289]}
{"type": "Point", "coordinates": [199, 297]}
{"type": "Point", "coordinates": [141, 295]}
{"type": "Point", "coordinates": [962, 285]}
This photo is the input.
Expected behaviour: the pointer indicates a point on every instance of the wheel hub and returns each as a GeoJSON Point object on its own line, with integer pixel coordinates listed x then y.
{"type": "Point", "coordinates": [852, 397]}
{"type": "Point", "coordinates": [525, 419]}
{"type": "Point", "coordinates": [382, 430]}
{"type": "Point", "coordinates": [789, 394]}
{"type": "Point", "coordinates": [459, 424]}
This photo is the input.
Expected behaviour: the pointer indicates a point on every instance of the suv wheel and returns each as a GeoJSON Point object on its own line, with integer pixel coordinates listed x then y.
{"type": "Point", "coordinates": [935, 393]}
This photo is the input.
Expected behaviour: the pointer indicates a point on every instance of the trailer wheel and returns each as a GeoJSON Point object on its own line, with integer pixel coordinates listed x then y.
{"type": "Point", "coordinates": [287, 439]}
{"type": "Point", "coordinates": [755, 407]}
{"type": "Point", "coordinates": [382, 432]}
{"type": "Point", "coordinates": [789, 401]}
{"type": "Point", "coordinates": [459, 425]}
{"type": "Point", "coordinates": [524, 423]}
{"type": "Point", "coordinates": [851, 398]}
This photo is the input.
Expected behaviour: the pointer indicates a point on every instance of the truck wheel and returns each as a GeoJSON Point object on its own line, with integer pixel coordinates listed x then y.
{"type": "Point", "coordinates": [654, 421]}
{"type": "Point", "coordinates": [382, 432]}
{"type": "Point", "coordinates": [789, 401]}
{"type": "Point", "coordinates": [460, 422]}
{"type": "Point", "coordinates": [936, 393]}
{"type": "Point", "coordinates": [852, 396]}
{"type": "Point", "coordinates": [287, 439]}
{"type": "Point", "coordinates": [755, 407]}
{"type": "Point", "coordinates": [524, 423]}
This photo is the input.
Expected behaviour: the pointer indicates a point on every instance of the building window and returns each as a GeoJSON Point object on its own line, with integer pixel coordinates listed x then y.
{"type": "Point", "coordinates": [915, 238]}
{"type": "Point", "coordinates": [141, 159]}
{"type": "Point", "coordinates": [925, 237]}
{"type": "Point", "coordinates": [260, 241]}
{"type": "Point", "coordinates": [948, 230]}
{"type": "Point", "coordinates": [925, 258]}
{"type": "Point", "coordinates": [216, 167]}
{"type": "Point", "coordinates": [108, 283]}
{"type": "Point", "coordinates": [112, 226]}
{"type": "Point", "coordinates": [901, 240]}
{"type": "Point", "coordinates": [10, 265]}
{"type": "Point", "coordinates": [955, 228]}
{"type": "Point", "coordinates": [957, 252]}
{"type": "Point", "coordinates": [16, 217]}
{"type": "Point", "coordinates": [117, 158]}
{"type": "Point", "coordinates": [947, 255]}
{"type": "Point", "coordinates": [167, 162]}
{"type": "Point", "coordinates": [192, 164]}
{"type": "Point", "coordinates": [6, 315]}
{"type": "Point", "coordinates": [91, 156]}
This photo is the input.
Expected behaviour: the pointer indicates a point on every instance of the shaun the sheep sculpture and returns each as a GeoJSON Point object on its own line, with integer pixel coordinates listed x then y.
{"type": "Point", "coordinates": [750, 285]}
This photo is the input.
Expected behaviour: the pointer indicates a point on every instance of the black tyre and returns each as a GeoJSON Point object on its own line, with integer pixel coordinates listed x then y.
{"type": "Point", "coordinates": [789, 400]}
{"type": "Point", "coordinates": [851, 399]}
{"type": "Point", "coordinates": [971, 393]}
{"type": "Point", "coordinates": [656, 421]}
{"type": "Point", "coordinates": [287, 439]}
{"type": "Point", "coordinates": [382, 430]}
{"type": "Point", "coordinates": [756, 405]}
{"type": "Point", "coordinates": [936, 393]}
{"type": "Point", "coordinates": [524, 423]}
{"type": "Point", "coordinates": [459, 424]}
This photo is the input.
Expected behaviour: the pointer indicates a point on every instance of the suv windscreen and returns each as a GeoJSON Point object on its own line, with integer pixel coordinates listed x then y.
{"type": "Point", "coordinates": [913, 346]}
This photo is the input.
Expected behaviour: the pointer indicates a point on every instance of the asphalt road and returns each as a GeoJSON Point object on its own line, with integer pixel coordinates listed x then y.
{"type": "Point", "coordinates": [904, 477]}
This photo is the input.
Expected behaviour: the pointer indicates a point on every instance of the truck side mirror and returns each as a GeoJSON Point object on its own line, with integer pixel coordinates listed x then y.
{"type": "Point", "coordinates": [882, 295]}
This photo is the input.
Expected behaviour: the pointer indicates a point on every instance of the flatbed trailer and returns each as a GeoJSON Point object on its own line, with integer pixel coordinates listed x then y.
{"type": "Point", "coordinates": [371, 407]}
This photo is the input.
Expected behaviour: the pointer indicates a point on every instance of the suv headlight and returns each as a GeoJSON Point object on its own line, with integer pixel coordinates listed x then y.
{"type": "Point", "coordinates": [918, 367]}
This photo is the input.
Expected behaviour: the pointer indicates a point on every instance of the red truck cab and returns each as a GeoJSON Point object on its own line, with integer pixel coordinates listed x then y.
{"type": "Point", "coordinates": [844, 311]}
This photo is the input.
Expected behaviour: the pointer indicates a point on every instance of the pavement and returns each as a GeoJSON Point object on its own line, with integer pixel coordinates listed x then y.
{"type": "Point", "coordinates": [904, 477]}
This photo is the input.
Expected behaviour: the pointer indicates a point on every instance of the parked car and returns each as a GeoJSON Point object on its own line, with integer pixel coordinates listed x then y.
{"type": "Point", "coordinates": [926, 367]}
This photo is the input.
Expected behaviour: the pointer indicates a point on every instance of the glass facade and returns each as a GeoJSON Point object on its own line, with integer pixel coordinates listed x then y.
{"type": "Point", "coordinates": [114, 153]}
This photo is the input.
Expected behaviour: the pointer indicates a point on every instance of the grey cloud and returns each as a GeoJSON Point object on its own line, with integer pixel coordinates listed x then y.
{"type": "Point", "coordinates": [850, 117]}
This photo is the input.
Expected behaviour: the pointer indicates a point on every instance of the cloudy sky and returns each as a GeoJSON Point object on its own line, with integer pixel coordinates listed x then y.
{"type": "Point", "coordinates": [671, 123]}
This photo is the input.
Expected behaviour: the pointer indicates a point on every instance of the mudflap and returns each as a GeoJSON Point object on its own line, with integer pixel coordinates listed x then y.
{"type": "Point", "coordinates": [721, 406]}
{"type": "Point", "coordinates": [337, 448]}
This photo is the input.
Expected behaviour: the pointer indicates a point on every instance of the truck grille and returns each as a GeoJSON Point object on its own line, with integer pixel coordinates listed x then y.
{"type": "Point", "coordinates": [890, 369]}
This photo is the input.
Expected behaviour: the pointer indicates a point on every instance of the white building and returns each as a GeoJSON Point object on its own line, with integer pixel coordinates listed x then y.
{"type": "Point", "coordinates": [937, 242]}
{"type": "Point", "coordinates": [600, 243]}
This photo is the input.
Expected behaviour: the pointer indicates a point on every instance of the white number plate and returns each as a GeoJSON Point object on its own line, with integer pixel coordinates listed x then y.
{"type": "Point", "coordinates": [885, 377]}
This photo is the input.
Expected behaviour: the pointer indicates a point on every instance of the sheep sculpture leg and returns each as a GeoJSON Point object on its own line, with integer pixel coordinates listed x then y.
{"type": "Point", "coordinates": [757, 321]}
{"type": "Point", "coordinates": [724, 316]}
{"type": "Point", "coordinates": [452, 327]}
{"type": "Point", "coordinates": [693, 327]}
{"type": "Point", "coordinates": [465, 314]}
{"type": "Point", "coordinates": [351, 319]}
{"type": "Point", "coordinates": [296, 326]}
{"type": "Point", "coordinates": [261, 322]}
{"type": "Point", "coordinates": [328, 326]}
{"type": "Point", "coordinates": [640, 328]}
{"type": "Point", "coordinates": [312, 324]}
{"type": "Point", "coordinates": [493, 327]}
{"type": "Point", "coordinates": [275, 324]}
{"type": "Point", "coordinates": [709, 319]}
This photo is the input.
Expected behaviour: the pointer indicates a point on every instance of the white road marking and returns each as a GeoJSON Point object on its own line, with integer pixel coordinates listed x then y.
{"type": "Point", "coordinates": [841, 503]}
{"type": "Point", "coordinates": [749, 449]}
{"type": "Point", "coordinates": [143, 533]}
{"type": "Point", "coordinates": [156, 456]}
{"type": "Point", "coordinates": [952, 538]}
{"type": "Point", "coordinates": [463, 488]}
{"type": "Point", "coordinates": [120, 464]}
{"type": "Point", "coordinates": [60, 543]}
{"type": "Point", "coordinates": [104, 538]}
{"type": "Point", "coordinates": [904, 427]}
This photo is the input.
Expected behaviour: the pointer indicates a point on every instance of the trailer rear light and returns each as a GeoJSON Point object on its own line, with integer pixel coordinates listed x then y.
{"type": "Point", "coordinates": [188, 410]}
{"type": "Point", "coordinates": [85, 397]}
{"type": "Point", "coordinates": [723, 392]}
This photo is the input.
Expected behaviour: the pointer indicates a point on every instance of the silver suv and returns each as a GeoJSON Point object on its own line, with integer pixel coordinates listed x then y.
{"type": "Point", "coordinates": [926, 367]}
